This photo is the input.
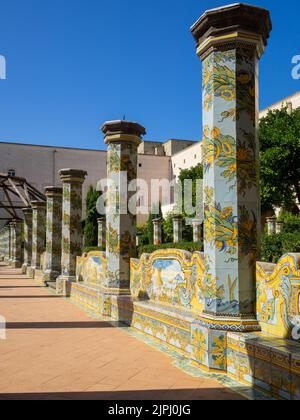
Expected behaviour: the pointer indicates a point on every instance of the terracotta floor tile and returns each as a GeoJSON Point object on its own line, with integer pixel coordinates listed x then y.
{"type": "Point", "coordinates": [56, 351]}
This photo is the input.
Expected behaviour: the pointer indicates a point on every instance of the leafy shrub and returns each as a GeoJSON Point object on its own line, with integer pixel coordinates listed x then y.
{"type": "Point", "coordinates": [88, 249]}
{"type": "Point", "coordinates": [271, 248]}
{"type": "Point", "coordinates": [91, 224]}
{"type": "Point", "coordinates": [143, 234]}
{"type": "Point", "coordinates": [187, 246]}
{"type": "Point", "coordinates": [291, 222]}
{"type": "Point", "coordinates": [275, 246]}
{"type": "Point", "coordinates": [291, 243]}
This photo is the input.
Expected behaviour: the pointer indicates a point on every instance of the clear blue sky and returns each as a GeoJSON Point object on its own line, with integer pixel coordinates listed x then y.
{"type": "Point", "coordinates": [73, 64]}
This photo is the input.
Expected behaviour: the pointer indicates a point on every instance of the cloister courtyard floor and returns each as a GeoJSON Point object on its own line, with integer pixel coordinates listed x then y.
{"type": "Point", "coordinates": [54, 350]}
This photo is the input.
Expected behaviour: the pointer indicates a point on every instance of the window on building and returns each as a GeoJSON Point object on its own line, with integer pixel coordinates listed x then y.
{"type": "Point", "coordinates": [140, 165]}
{"type": "Point", "coordinates": [195, 156]}
{"type": "Point", "coordinates": [11, 172]}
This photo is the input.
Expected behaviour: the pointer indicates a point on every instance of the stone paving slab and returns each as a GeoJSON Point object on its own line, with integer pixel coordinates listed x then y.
{"type": "Point", "coordinates": [56, 351]}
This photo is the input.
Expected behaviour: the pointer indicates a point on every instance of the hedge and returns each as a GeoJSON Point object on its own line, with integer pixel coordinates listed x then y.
{"type": "Point", "coordinates": [88, 249]}
{"type": "Point", "coordinates": [275, 246]}
{"type": "Point", "coordinates": [186, 246]}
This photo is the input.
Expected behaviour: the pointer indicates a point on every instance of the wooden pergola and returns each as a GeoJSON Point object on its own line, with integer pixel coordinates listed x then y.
{"type": "Point", "coordinates": [18, 194]}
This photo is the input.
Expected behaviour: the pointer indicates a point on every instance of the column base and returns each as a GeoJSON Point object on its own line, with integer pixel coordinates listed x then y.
{"type": "Point", "coordinates": [64, 285]}
{"type": "Point", "coordinates": [25, 268]}
{"type": "Point", "coordinates": [31, 272]}
{"type": "Point", "coordinates": [228, 322]}
{"type": "Point", "coordinates": [16, 264]}
{"type": "Point", "coordinates": [50, 276]}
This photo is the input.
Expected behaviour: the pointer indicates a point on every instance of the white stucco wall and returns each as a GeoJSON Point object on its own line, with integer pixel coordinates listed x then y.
{"type": "Point", "coordinates": [186, 159]}
{"type": "Point", "coordinates": [40, 164]}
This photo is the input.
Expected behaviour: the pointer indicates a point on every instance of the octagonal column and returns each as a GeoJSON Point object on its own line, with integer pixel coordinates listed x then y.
{"type": "Point", "coordinates": [53, 233]}
{"type": "Point", "coordinates": [72, 235]}
{"type": "Point", "coordinates": [230, 41]}
{"type": "Point", "coordinates": [122, 139]}
{"type": "Point", "coordinates": [279, 227]}
{"type": "Point", "coordinates": [102, 233]}
{"type": "Point", "coordinates": [38, 235]}
{"type": "Point", "coordinates": [10, 245]}
{"type": "Point", "coordinates": [197, 231]}
{"type": "Point", "coordinates": [27, 239]}
{"type": "Point", "coordinates": [271, 225]}
{"type": "Point", "coordinates": [177, 229]}
{"type": "Point", "coordinates": [16, 260]}
{"type": "Point", "coordinates": [6, 256]}
{"type": "Point", "coordinates": [2, 244]}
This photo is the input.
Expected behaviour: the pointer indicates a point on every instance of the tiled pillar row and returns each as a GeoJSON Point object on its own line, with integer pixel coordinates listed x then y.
{"type": "Point", "coordinates": [157, 231]}
{"type": "Point", "coordinates": [231, 189]}
{"type": "Point", "coordinates": [102, 233]}
{"type": "Point", "coordinates": [177, 229]}
{"type": "Point", "coordinates": [38, 235]}
{"type": "Point", "coordinates": [27, 239]}
{"type": "Point", "coordinates": [72, 235]}
{"type": "Point", "coordinates": [122, 139]}
{"type": "Point", "coordinates": [53, 234]}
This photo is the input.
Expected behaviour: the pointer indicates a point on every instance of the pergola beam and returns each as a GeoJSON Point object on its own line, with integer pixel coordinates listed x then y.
{"type": "Point", "coordinates": [17, 187]}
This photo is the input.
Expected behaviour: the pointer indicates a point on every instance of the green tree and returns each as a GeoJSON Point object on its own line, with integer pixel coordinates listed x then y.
{"type": "Point", "coordinates": [91, 224]}
{"type": "Point", "coordinates": [279, 135]}
{"type": "Point", "coordinates": [195, 173]}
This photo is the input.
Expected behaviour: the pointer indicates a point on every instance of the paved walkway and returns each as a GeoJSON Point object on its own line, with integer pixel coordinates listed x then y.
{"type": "Point", "coordinates": [56, 351]}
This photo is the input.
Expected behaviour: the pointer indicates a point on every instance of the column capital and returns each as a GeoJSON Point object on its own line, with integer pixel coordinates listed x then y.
{"type": "Point", "coordinates": [53, 191]}
{"type": "Point", "coordinates": [27, 211]}
{"type": "Point", "coordinates": [72, 176]}
{"type": "Point", "coordinates": [157, 221]}
{"type": "Point", "coordinates": [238, 23]}
{"type": "Point", "coordinates": [17, 221]}
{"type": "Point", "coordinates": [123, 131]}
{"type": "Point", "coordinates": [38, 205]}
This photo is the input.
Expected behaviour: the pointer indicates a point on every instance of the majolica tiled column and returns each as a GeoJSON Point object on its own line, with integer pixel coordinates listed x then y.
{"type": "Point", "coordinates": [53, 233]}
{"type": "Point", "coordinates": [10, 246]}
{"type": "Point", "coordinates": [72, 235]}
{"type": "Point", "coordinates": [27, 239]}
{"type": "Point", "coordinates": [102, 233]}
{"type": "Point", "coordinates": [157, 231]}
{"type": "Point", "coordinates": [177, 229]}
{"type": "Point", "coordinates": [230, 42]}
{"type": "Point", "coordinates": [122, 139]}
{"type": "Point", "coordinates": [6, 253]}
{"type": "Point", "coordinates": [16, 261]}
{"type": "Point", "coordinates": [38, 235]}
{"type": "Point", "coordinates": [197, 231]}
{"type": "Point", "coordinates": [2, 244]}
